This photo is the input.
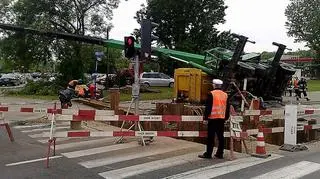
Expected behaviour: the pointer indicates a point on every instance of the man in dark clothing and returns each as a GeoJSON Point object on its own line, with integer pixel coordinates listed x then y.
{"type": "Point", "coordinates": [216, 113]}
{"type": "Point", "coordinates": [73, 83]}
{"type": "Point", "coordinates": [303, 88]}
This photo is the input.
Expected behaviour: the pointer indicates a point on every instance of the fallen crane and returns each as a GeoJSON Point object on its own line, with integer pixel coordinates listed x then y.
{"type": "Point", "coordinates": [265, 79]}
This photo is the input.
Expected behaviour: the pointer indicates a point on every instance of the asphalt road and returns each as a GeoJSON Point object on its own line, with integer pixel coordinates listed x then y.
{"type": "Point", "coordinates": [164, 158]}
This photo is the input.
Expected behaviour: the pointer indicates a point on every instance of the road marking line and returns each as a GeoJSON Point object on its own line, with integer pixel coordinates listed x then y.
{"type": "Point", "coordinates": [223, 168]}
{"type": "Point", "coordinates": [81, 143]}
{"type": "Point", "coordinates": [92, 151]}
{"type": "Point", "coordinates": [296, 170]}
{"type": "Point", "coordinates": [57, 140]}
{"type": "Point", "coordinates": [38, 135]}
{"type": "Point", "coordinates": [121, 158]}
{"type": "Point", "coordinates": [31, 161]}
{"type": "Point", "coordinates": [151, 166]}
{"type": "Point", "coordinates": [31, 126]}
{"type": "Point", "coordinates": [44, 129]}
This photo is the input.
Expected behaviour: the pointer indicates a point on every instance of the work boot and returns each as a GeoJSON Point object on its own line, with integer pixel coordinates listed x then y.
{"type": "Point", "coordinates": [218, 156]}
{"type": "Point", "coordinates": [205, 155]}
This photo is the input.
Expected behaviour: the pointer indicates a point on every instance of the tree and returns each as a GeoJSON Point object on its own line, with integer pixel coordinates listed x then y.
{"type": "Point", "coordinates": [303, 22]}
{"type": "Point", "coordinates": [267, 55]}
{"type": "Point", "coordinates": [187, 25]}
{"type": "Point", "coordinates": [82, 17]}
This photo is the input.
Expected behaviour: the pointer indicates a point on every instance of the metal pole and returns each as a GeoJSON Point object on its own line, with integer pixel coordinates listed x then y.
{"type": "Point", "coordinates": [136, 94]}
{"type": "Point", "coordinates": [244, 89]}
{"type": "Point", "coordinates": [107, 76]}
{"type": "Point", "coordinates": [95, 78]}
{"type": "Point", "coordinates": [136, 86]}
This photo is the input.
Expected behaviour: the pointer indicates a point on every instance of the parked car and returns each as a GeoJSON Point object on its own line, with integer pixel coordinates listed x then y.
{"type": "Point", "coordinates": [156, 79]}
{"type": "Point", "coordinates": [9, 80]}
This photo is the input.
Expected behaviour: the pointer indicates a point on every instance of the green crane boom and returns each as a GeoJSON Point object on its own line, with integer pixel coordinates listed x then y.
{"type": "Point", "coordinates": [193, 59]}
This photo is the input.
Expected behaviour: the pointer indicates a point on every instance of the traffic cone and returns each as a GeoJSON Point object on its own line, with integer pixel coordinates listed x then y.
{"type": "Point", "coordinates": [260, 148]}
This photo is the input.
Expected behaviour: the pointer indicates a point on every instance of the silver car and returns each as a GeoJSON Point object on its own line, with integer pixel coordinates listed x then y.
{"type": "Point", "coordinates": [156, 79]}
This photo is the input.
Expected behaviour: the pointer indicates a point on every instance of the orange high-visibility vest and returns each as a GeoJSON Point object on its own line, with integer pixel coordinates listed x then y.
{"type": "Point", "coordinates": [295, 83]}
{"type": "Point", "coordinates": [219, 104]}
{"type": "Point", "coordinates": [81, 92]}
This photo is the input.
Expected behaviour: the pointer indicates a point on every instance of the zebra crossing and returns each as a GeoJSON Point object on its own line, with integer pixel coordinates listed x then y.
{"type": "Point", "coordinates": [165, 158]}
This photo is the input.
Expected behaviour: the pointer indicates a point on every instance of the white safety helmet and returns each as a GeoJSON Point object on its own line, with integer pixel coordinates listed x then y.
{"type": "Point", "coordinates": [217, 82]}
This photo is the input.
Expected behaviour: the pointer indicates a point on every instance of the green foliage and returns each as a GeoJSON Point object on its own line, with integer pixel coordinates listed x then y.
{"type": "Point", "coordinates": [122, 63]}
{"type": "Point", "coordinates": [165, 93]}
{"type": "Point", "coordinates": [42, 88]}
{"type": "Point", "coordinates": [303, 22]}
{"type": "Point", "coordinates": [267, 55]}
{"type": "Point", "coordinates": [77, 17]}
{"type": "Point", "coordinates": [186, 25]}
{"type": "Point", "coordinates": [314, 85]}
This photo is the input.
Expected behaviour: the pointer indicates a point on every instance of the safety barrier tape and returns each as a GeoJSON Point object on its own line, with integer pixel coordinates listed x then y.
{"type": "Point", "coordinates": [278, 112]}
{"type": "Point", "coordinates": [27, 103]}
{"type": "Point", "coordinates": [310, 127]}
{"type": "Point", "coordinates": [270, 115]}
{"type": "Point", "coordinates": [63, 134]}
{"type": "Point", "coordinates": [58, 111]}
{"type": "Point", "coordinates": [263, 112]}
{"type": "Point", "coordinates": [110, 117]}
{"type": "Point", "coordinates": [6, 125]}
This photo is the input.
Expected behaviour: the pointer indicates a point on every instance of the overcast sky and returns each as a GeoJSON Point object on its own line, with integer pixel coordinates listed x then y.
{"type": "Point", "coordinates": [263, 21]}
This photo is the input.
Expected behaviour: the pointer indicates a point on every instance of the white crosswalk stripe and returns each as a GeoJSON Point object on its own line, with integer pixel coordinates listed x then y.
{"type": "Point", "coordinates": [83, 143]}
{"type": "Point", "coordinates": [223, 168]}
{"type": "Point", "coordinates": [130, 162]}
{"type": "Point", "coordinates": [31, 126]}
{"type": "Point", "coordinates": [44, 129]}
{"type": "Point", "coordinates": [296, 170]}
{"type": "Point", "coordinates": [116, 159]}
{"type": "Point", "coordinates": [151, 166]}
{"type": "Point", "coordinates": [92, 151]}
{"type": "Point", "coordinates": [44, 141]}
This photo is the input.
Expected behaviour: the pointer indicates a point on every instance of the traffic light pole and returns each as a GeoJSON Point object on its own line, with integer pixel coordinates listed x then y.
{"type": "Point", "coordinates": [136, 85]}
{"type": "Point", "coordinates": [135, 99]}
{"type": "Point", "coordinates": [136, 95]}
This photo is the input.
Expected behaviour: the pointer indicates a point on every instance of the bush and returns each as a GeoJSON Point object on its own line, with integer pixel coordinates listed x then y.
{"type": "Point", "coordinates": [43, 88]}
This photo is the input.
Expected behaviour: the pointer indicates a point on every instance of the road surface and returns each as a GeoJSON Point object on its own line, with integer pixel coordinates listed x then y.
{"type": "Point", "coordinates": [164, 158]}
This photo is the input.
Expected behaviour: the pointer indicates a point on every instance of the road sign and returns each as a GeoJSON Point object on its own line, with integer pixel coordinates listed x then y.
{"type": "Point", "coordinates": [290, 126]}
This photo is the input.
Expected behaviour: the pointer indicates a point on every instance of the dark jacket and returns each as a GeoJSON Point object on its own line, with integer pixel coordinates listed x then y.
{"type": "Point", "coordinates": [208, 108]}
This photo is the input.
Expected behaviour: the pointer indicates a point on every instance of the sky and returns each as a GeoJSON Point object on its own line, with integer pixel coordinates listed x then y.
{"type": "Point", "coordinates": [263, 21]}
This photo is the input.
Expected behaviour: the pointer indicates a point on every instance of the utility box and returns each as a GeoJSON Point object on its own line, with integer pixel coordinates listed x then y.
{"type": "Point", "coordinates": [191, 85]}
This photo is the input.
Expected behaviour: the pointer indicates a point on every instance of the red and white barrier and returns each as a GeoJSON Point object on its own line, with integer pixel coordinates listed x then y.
{"type": "Point", "coordinates": [277, 112]}
{"type": "Point", "coordinates": [308, 111]}
{"type": "Point", "coordinates": [24, 110]}
{"type": "Point", "coordinates": [311, 127]}
{"type": "Point", "coordinates": [110, 117]}
{"type": "Point", "coordinates": [127, 133]}
{"type": "Point", "coordinates": [71, 134]}
{"type": "Point", "coordinates": [6, 125]}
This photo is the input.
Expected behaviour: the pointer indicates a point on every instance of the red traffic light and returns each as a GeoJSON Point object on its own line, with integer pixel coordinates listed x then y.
{"type": "Point", "coordinates": [129, 46]}
{"type": "Point", "coordinates": [129, 41]}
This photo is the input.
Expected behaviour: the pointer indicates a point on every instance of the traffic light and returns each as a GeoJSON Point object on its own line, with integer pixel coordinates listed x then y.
{"type": "Point", "coordinates": [129, 50]}
{"type": "Point", "coordinates": [147, 37]}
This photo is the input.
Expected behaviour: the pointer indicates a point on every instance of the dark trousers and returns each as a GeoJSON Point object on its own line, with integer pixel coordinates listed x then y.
{"type": "Point", "coordinates": [215, 126]}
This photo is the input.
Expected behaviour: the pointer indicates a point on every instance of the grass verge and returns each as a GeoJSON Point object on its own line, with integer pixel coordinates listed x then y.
{"type": "Point", "coordinates": [34, 97]}
{"type": "Point", "coordinates": [314, 85]}
{"type": "Point", "coordinates": [165, 93]}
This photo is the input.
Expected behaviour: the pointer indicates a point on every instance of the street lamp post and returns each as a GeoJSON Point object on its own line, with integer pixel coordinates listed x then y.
{"type": "Point", "coordinates": [99, 56]}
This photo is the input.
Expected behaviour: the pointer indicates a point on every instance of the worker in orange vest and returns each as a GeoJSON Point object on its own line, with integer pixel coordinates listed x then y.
{"type": "Point", "coordinates": [216, 113]}
{"type": "Point", "coordinates": [296, 87]}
